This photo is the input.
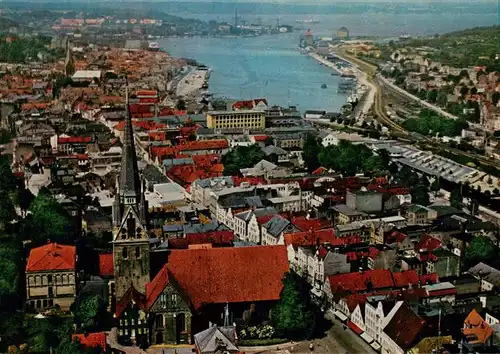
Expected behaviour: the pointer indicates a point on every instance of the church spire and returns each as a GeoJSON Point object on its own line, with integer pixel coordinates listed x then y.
{"type": "Point", "coordinates": [69, 65]}
{"type": "Point", "coordinates": [130, 187]}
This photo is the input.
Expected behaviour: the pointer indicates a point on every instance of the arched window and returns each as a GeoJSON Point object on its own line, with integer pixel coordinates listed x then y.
{"type": "Point", "coordinates": [124, 253]}
{"type": "Point", "coordinates": [137, 252]}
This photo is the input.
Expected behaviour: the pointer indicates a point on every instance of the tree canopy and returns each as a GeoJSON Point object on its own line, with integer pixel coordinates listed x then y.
{"type": "Point", "coordinates": [295, 315]}
{"type": "Point", "coordinates": [350, 159]}
{"type": "Point", "coordinates": [48, 220]}
{"type": "Point", "coordinates": [481, 249]}
{"type": "Point", "coordinates": [241, 157]}
{"type": "Point", "coordinates": [310, 152]}
{"type": "Point", "coordinates": [430, 123]}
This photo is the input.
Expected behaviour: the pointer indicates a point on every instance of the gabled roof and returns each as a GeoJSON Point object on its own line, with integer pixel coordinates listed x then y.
{"type": "Point", "coordinates": [276, 225]}
{"type": "Point", "coordinates": [106, 265]}
{"type": "Point", "coordinates": [131, 295]}
{"type": "Point", "coordinates": [220, 275]}
{"type": "Point", "coordinates": [92, 340]}
{"type": "Point", "coordinates": [428, 244]}
{"type": "Point", "coordinates": [405, 327]}
{"type": "Point", "coordinates": [51, 257]}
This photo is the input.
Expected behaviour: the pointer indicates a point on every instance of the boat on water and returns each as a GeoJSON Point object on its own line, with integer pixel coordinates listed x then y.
{"type": "Point", "coordinates": [324, 86]}
{"type": "Point", "coordinates": [335, 73]}
{"type": "Point", "coordinates": [154, 47]}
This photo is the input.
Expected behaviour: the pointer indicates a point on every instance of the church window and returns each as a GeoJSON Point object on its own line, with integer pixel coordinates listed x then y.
{"type": "Point", "coordinates": [137, 252]}
{"type": "Point", "coordinates": [124, 253]}
{"type": "Point", "coordinates": [132, 321]}
{"type": "Point", "coordinates": [173, 299]}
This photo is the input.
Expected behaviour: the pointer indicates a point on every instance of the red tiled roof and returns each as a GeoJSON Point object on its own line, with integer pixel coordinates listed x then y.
{"type": "Point", "coordinates": [253, 181]}
{"type": "Point", "coordinates": [429, 278]}
{"type": "Point", "coordinates": [362, 281]}
{"type": "Point", "coordinates": [248, 104]}
{"type": "Point", "coordinates": [428, 243]}
{"type": "Point", "coordinates": [403, 279]}
{"type": "Point", "coordinates": [354, 300]}
{"type": "Point", "coordinates": [264, 219]}
{"type": "Point", "coordinates": [477, 328]}
{"type": "Point", "coordinates": [319, 171]}
{"type": "Point", "coordinates": [131, 295]}
{"type": "Point", "coordinates": [51, 257]}
{"type": "Point", "coordinates": [106, 265]}
{"type": "Point", "coordinates": [354, 327]}
{"type": "Point", "coordinates": [405, 327]}
{"type": "Point", "coordinates": [204, 145]}
{"type": "Point", "coordinates": [74, 140]}
{"type": "Point", "coordinates": [443, 292]}
{"type": "Point", "coordinates": [260, 138]}
{"type": "Point", "coordinates": [220, 275]}
{"type": "Point", "coordinates": [92, 340]}
{"type": "Point", "coordinates": [304, 224]}
{"type": "Point", "coordinates": [396, 236]}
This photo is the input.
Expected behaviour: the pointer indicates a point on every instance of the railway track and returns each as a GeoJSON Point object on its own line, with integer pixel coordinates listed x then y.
{"type": "Point", "coordinates": [380, 111]}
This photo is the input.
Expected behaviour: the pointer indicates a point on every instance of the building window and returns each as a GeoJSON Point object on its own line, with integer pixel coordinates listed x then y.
{"type": "Point", "coordinates": [49, 278]}
{"type": "Point", "coordinates": [163, 300]}
{"type": "Point", "coordinates": [124, 253]}
{"type": "Point", "coordinates": [137, 252]}
{"type": "Point", "coordinates": [51, 291]}
{"type": "Point", "coordinates": [173, 299]}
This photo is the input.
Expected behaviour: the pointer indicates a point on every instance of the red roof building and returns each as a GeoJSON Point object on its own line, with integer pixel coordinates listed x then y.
{"type": "Point", "coordinates": [51, 257]}
{"type": "Point", "coordinates": [404, 279]}
{"type": "Point", "coordinates": [106, 265]}
{"type": "Point", "coordinates": [75, 140]}
{"type": "Point", "coordinates": [92, 340]}
{"type": "Point", "coordinates": [221, 275]}
{"type": "Point", "coordinates": [361, 281]}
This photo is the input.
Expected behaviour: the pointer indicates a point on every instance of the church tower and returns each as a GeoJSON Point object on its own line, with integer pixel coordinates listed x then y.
{"type": "Point", "coordinates": [69, 64]}
{"type": "Point", "coordinates": [130, 231]}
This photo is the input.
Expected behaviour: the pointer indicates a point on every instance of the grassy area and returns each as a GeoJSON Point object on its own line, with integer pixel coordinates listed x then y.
{"type": "Point", "coordinates": [261, 342]}
{"type": "Point", "coordinates": [476, 46]}
{"type": "Point", "coordinates": [430, 123]}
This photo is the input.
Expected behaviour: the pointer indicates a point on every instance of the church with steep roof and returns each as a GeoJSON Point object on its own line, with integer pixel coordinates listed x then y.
{"type": "Point", "coordinates": [193, 287]}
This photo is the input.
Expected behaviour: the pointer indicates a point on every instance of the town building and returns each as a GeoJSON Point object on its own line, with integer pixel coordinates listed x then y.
{"type": "Point", "coordinates": [247, 119]}
{"type": "Point", "coordinates": [51, 277]}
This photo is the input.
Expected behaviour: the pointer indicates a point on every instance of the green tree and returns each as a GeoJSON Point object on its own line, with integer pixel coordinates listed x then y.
{"type": "Point", "coordinates": [310, 152]}
{"type": "Point", "coordinates": [48, 220]}
{"type": "Point", "coordinates": [241, 157]}
{"type": "Point", "coordinates": [456, 198]}
{"type": "Point", "coordinates": [481, 249]}
{"type": "Point", "coordinates": [442, 99]}
{"type": "Point", "coordinates": [432, 96]}
{"type": "Point", "coordinates": [90, 313]}
{"type": "Point", "coordinates": [295, 315]}
{"type": "Point", "coordinates": [420, 194]}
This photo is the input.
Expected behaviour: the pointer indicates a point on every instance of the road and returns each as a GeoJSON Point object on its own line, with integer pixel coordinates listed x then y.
{"type": "Point", "coordinates": [191, 83]}
{"type": "Point", "coordinates": [337, 340]}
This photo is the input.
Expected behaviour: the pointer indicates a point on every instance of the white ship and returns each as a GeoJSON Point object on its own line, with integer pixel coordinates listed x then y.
{"type": "Point", "coordinates": [154, 46]}
{"type": "Point", "coordinates": [308, 22]}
